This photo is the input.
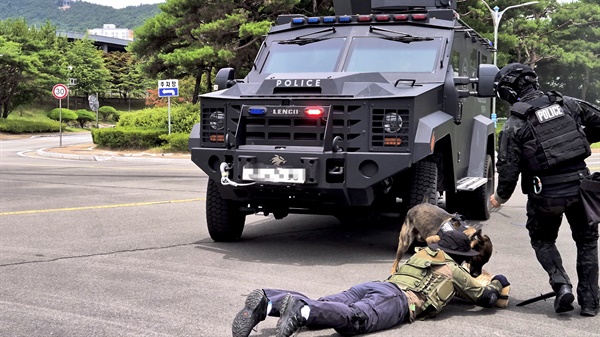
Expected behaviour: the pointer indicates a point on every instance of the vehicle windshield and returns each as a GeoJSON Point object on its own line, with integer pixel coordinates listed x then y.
{"type": "Point", "coordinates": [381, 55]}
{"type": "Point", "coordinates": [367, 54]}
{"type": "Point", "coordinates": [318, 56]}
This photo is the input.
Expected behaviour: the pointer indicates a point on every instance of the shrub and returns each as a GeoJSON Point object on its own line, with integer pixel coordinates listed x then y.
{"type": "Point", "coordinates": [176, 142]}
{"type": "Point", "coordinates": [183, 118]}
{"type": "Point", "coordinates": [84, 116]}
{"type": "Point", "coordinates": [116, 116]}
{"type": "Point", "coordinates": [128, 138]}
{"type": "Point", "coordinates": [66, 115]}
{"type": "Point", "coordinates": [25, 126]}
{"type": "Point", "coordinates": [106, 111]}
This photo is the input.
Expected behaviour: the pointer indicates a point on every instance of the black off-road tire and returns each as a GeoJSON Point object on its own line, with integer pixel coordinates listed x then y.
{"type": "Point", "coordinates": [474, 205]}
{"type": "Point", "coordinates": [224, 218]}
{"type": "Point", "coordinates": [423, 187]}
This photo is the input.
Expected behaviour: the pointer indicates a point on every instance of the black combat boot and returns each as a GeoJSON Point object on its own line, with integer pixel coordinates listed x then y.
{"type": "Point", "coordinates": [255, 310]}
{"type": "Point", "coordinates": [291, 319]}
{"type": "Point", "coordinates": [589, 312]}
{"type": "Point", "coordinates": [564, 299]}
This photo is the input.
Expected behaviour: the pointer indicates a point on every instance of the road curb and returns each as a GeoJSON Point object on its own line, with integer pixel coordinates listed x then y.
{"type": "Point", "coordinates": [45, 153]}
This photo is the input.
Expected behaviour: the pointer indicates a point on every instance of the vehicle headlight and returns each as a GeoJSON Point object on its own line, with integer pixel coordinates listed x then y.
{"type": "Point", "coordinates": [216, 120]}
{"type": "Point", "coordinates": [392, 122]}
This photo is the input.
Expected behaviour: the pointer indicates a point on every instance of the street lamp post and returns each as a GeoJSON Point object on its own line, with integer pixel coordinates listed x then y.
{"type": "Point", "coordinates": [496, 17]}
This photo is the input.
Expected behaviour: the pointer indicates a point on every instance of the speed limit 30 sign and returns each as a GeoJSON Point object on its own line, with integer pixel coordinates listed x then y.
{"type": "Point", "coordinates": [60, 91]}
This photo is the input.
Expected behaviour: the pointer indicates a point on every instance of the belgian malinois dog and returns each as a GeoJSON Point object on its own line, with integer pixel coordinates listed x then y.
{"type": "Point", "coordinates": [423, 223]}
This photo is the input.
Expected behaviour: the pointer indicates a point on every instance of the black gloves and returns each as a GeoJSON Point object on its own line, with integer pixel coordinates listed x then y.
{"type": "Point", "coordinates": [502, 279]}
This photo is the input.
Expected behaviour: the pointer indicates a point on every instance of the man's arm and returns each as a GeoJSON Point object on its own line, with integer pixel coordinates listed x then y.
{"type": "Point", "coordinates": [509, 158]}
{"type": "Point", "coordinates": [469, 288]}
{"type": "Point", "coordinates": [589, 117]}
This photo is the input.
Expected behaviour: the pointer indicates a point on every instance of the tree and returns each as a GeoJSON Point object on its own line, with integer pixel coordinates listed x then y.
{"type": "Point", "coordinates": [577, 70]}
{"type": "Point", "coordinates": [62, 114]}
{"type": "Point", "coordinates": [84, 116]}
{"type": "Point", "coordinates": [106, 111]}
{"type": "Point", "coordinates": [125, 76]}
{"type": "Point", "coordinates": [30, 63]}
{"type": "Point", "coordinates": [191, 38]}
{"type": "Point", "coordinates": [87, 67]}
{"type": "Point", "coordinates": [559, 40]}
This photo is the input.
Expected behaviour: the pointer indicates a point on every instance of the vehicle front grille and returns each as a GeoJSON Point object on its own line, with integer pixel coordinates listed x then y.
{"type": "Point", "coordinates": [306, 131]}
{"type": "Point", "coordinates": [349, 122]}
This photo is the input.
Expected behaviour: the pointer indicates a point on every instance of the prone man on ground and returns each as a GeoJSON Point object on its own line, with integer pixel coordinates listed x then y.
{"type": "Point", "coordinates": [420, 287]}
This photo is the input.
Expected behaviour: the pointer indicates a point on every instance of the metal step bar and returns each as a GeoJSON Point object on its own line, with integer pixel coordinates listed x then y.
{"type": "Point", "coordinates": [470, 183]}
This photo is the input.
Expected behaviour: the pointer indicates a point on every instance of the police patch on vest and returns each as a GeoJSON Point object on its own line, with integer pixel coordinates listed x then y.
{"type": "Point", "coordinates": [549, 113]}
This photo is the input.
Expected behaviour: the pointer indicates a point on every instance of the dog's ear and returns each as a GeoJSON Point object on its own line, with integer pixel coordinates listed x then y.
{"type": "Point", "coordinates": [432, 239]}
{"type": "Point", "coordinates": [459, 217]}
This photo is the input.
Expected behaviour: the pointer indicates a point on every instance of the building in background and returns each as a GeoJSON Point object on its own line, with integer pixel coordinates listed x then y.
{"type": "Point", "coordinates": [65, 4]}
{"type": "Point", "coordinates": [111, 30]}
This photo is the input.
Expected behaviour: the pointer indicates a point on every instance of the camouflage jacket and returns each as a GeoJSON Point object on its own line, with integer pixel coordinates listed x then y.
{"type": "Point", "coordinates": [431, 278]}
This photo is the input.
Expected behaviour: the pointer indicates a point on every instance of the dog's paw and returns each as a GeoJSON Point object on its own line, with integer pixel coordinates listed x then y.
{"type": "Point", "coordinates": [432, 239]}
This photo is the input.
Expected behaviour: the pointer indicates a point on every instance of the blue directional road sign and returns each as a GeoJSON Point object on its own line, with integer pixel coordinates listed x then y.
{"type": "Point", "coordinates": [168, 92]}
{"type": "Point", "coordinates": [168, 88]}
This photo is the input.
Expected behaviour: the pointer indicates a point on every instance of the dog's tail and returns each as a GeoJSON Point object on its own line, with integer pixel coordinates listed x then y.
{"type": "Point", "coordinates": [404, 241]}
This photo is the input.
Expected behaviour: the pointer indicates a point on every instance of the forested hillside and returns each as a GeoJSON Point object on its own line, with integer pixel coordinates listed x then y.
{"type": "Point", "coordinates": [80, 17]}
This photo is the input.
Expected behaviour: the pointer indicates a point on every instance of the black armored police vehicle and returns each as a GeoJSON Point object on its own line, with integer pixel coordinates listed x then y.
{"type": "Point", "coordinates": [373, 110]}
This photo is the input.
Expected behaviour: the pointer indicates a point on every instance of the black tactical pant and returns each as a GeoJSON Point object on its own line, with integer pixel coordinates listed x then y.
{"type": "Point", "coordinates": [544, 216]}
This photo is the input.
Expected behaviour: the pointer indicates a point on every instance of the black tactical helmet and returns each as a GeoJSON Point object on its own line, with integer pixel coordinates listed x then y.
{"type": "Point", "coordinates": [511, 79]}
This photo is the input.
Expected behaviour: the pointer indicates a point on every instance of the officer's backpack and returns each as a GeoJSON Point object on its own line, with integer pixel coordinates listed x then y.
{"type": "Point", "coordinates": [558, 136]}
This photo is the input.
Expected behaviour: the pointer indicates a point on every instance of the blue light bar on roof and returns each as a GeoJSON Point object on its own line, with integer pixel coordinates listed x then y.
{"type": "Point", "coordinates": [328, 19]}
{"type": "Point", "coordinates": [314, 20]}
{"type": "Point", "coordinates": [345, 19]}
{"type": "Point", "coordinates": [297, 21]}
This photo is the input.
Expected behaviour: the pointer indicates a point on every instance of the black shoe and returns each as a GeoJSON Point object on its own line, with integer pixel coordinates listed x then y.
{"type": "Point", "coordinates": [564, 299]}
{"type": "Point", "coordinates": [588, 312]}
{"type": "Point", "coordinates": [255, 310]}
{"type": "Point", "coordinates": [291, 319]}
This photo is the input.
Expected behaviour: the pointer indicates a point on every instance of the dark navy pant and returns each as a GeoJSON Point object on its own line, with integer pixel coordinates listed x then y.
{"type": "Point", "coordinates": [365, 307]}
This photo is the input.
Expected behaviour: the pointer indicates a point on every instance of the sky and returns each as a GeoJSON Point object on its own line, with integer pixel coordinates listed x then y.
{"type": "Point", "coordinates": [123, 3]}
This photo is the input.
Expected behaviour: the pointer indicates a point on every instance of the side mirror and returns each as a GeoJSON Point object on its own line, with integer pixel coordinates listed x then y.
{"type": "Point", "coordinates": [487, 74]}
{"type": "Point", "coordinates": [224, 78]}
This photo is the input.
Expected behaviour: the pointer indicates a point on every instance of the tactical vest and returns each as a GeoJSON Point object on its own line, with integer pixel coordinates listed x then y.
{"type": "Point", "coordinates": [558, 137]}
{"type": "Point", "coordinates": [416, 275]}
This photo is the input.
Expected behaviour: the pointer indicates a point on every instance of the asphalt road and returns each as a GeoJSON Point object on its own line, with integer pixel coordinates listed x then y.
{"type": "Point", "coordinates": [121, 249]}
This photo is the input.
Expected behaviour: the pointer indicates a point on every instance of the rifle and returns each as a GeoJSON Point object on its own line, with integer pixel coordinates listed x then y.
{"type": "Point", "coordinates": [537, 298]}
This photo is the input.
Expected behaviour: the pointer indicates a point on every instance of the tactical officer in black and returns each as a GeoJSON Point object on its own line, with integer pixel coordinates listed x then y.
{"type": "Point", "coordinates": [544, 141]}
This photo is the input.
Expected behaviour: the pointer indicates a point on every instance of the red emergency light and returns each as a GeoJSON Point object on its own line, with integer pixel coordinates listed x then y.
{"type": "Point", "coordinates": [314, 111]}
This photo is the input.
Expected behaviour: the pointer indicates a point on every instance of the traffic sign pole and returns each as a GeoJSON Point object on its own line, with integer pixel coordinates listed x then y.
{"type": "Point", "coordinates": [168, 88]}
{"type": "Point", "coordinates": [60, 122]}
{"type": "Point", "coordinates": [60, 91]}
